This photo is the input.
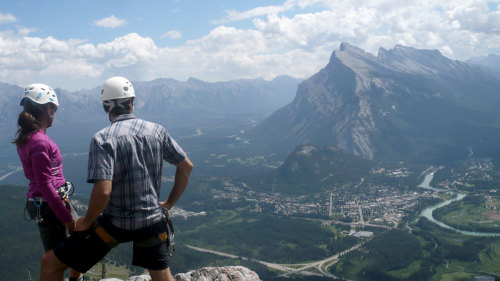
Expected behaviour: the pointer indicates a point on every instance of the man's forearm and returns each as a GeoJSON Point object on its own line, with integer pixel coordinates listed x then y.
{"type": "Point", "coordinates": [98, 199]}
{"type": "Point", "coordinates": [180, 183]}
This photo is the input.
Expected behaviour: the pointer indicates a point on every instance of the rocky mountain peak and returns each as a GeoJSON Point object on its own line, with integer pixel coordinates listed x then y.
{"type": "Point", "coordinates": [429, 63]}
{"type": "Point", "coordinates": [354, 57]}
{"type": "Point", "coordinates": [374, 106]}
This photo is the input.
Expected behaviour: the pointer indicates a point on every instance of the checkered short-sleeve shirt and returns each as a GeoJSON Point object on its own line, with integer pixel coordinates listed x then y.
{"type": "Point", "coordinates": [130, 153]}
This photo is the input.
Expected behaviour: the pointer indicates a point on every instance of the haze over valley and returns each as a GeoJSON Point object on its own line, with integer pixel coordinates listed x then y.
{"type": "Point", "coordinates": [340, 175]}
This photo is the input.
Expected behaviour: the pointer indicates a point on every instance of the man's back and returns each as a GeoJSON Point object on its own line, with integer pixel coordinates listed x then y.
{"type": "Point", "coordinates": [130, 152]}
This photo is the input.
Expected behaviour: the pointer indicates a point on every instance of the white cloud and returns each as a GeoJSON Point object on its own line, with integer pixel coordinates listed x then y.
{"type": "Point", "coordinates": [25, 58]}
{"type": "Point", "coordinates": [7, 18]}
{"type": "Point", "coordinates": [233, 15]}
{"type": "Point", "coordinates": [284, 40]}
{"type": "Point", "coordinates": [110, 22]}
{"type": "Point", "coordinates": [371, 24]}
{"type": "Point", "coordinates": [25, 31]}
{"type": "Point", "coordinates": [172, 34]}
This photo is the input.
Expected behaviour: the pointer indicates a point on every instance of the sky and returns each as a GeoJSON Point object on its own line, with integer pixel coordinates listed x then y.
{"type": "Point", "coordinates": [74, 44]}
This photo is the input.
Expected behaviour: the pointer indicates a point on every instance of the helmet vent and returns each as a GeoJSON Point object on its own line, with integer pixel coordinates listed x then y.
{"type": "Point", "coordinates": [125, 88]}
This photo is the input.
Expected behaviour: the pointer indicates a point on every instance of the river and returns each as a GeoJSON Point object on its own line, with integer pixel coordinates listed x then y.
{"type": "Point", "coordinates": [427, 212]}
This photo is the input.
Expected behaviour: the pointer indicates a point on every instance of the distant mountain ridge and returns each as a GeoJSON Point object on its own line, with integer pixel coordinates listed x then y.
{"type": "Point", "coordinates": [178, 103]}
{"type": "Point", "coordinates": [198, 97]}
{"type": "Point", "coordinates": [405, 104]}
{"type": "Point", "coordinates": [313, 168]}
{"type": "Point", "coordinates": [314, 164]}
{"type": "Point", "coordinates": [490, 62]}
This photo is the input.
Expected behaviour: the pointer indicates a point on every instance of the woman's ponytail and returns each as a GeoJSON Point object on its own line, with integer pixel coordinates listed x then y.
{"type": "Point", "coordinates": [27, 123]}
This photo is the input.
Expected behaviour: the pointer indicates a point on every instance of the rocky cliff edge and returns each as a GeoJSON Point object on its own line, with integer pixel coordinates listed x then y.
{"type": "Point", "coordinates": [227, 273]}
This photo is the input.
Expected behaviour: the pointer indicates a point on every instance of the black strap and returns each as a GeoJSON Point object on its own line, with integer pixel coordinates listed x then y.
{"type": "Point", "coordinates": [104, 235]}
{"type": "Point", "coordinates": [170, 233]}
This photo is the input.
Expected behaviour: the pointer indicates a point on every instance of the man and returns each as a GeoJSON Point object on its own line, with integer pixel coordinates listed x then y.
{"type": "Point", "coordinates": [125, 164]}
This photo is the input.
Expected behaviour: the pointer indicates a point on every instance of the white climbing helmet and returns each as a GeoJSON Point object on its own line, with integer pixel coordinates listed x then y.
{"type": "Point", "coordinates": [40, 94]}
{"type": "Point", "coordinates": [117, 88]}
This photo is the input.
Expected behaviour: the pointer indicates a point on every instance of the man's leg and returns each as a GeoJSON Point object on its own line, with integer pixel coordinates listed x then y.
{"type": "Point", "coordinates": [52, 269]}
{"type": "Point", "coordinates": [161, 275]}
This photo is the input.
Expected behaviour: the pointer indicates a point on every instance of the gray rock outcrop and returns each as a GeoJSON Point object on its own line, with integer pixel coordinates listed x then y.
{"type": "Point", "coordinates": [226, 273]}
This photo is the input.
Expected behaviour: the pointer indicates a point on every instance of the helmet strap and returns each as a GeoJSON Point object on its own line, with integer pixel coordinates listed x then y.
{"type": "Point", "coordinates": [116, 103]}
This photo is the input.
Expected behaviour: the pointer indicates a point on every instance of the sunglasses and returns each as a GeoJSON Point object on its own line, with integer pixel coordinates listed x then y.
{"type": "Point", "coordinates": [53, 107]}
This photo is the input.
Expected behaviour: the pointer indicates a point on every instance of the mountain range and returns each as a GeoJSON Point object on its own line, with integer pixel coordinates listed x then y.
{"type": "Point", "coordinates": [192, 103]}
{"type": "Point", "coordinates": [404, 104]}
{"type": "Point", "coordinates": [489, 62]}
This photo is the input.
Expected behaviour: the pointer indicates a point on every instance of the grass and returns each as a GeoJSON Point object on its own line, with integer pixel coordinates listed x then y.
{"type": "Point", "coordinates": [407, 271]}
{"type": "Point", "coordinates": [459, 270]}
{"type": "Point", "coordinates": [270, 238]}
{"type": "Point", "coordinates": [470, 216]}
{"type": "Point", "coordinates": [220, 218]}
{"type": "Point", "coordinates": [112, 271]}
{"type": "Point", "coordinates": [490, 259]}
{"type": "Point", "coordinates": [453, 276]}
{"type": "Point", "coordinates": [249, 161]}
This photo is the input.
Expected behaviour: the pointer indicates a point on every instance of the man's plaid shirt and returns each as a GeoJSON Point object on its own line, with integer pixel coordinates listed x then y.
{"type": "Point", "coordinates": [129, 152]}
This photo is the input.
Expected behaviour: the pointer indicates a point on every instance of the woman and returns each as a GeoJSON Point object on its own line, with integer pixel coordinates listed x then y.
{"type": "Point", "coordinates": [42, 163]}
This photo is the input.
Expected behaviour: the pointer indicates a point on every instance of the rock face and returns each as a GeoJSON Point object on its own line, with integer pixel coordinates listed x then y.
{"type": "Point", "coordinates": [227, 273]}
{"type": "Point", "coordinates": [403, 104]}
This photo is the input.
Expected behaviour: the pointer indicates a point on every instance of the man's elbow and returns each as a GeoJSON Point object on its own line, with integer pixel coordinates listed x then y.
{"type": "Point", "coordinates": [186, 166]}
{"type": "Point", "coordinates": [105, 194]}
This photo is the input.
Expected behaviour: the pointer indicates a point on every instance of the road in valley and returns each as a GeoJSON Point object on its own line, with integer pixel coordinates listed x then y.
{"type": "Point", "coordinates": [318, 268]}
{"type": "Point", "coordinates": [10, 173]}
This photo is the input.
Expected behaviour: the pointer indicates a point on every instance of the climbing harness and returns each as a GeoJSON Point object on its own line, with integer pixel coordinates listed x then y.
{"type": "Point", "coordinates": [63, 191]}
{"type": "Point", "coordinates": [38, 204]}
{"type": "Point", "coordinates": [104, 235]}
{"type": "Point", "coordinates": [170, 234]}
{"type": "Point", "coordinates": [164, 237]}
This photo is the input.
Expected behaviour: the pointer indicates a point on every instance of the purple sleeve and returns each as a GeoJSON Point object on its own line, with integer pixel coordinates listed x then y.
{"type": "Point", "coordinates": [41, 167]}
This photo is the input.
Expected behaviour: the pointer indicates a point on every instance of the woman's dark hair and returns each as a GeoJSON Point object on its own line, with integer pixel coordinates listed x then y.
{"type": "Point", "coordinates": [28, 122]}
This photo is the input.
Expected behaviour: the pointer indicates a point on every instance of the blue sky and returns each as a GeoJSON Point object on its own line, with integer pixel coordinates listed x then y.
{"type": "Point", "coordinates": [78, 44]}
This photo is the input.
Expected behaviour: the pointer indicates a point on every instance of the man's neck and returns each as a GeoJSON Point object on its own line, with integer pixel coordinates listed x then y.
{"type": "Point", "coordinates": [113, 117]}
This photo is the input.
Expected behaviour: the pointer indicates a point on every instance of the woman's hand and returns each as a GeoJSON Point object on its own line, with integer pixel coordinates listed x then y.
{"type": "Point", "coordinates": [70, 226]}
